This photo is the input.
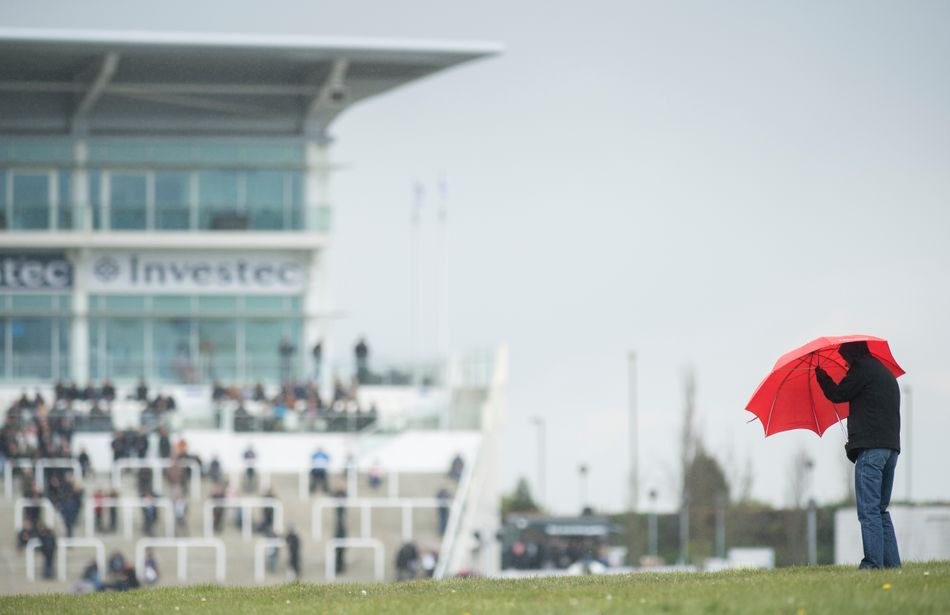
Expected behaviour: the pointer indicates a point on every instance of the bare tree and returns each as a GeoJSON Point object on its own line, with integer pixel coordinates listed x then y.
{"type": "Point", "coordinates": [740, 475]}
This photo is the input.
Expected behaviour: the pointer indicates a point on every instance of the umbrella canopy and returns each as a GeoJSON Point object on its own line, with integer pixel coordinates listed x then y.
{"type": "Point", "coordinates": [790, 397]}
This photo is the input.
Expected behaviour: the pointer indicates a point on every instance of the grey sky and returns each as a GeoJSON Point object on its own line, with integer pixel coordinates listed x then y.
{"type": "Point", "coordinates": [708, 184]}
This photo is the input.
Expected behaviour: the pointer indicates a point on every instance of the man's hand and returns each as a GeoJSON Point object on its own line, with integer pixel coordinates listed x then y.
{"type": "Point", "coordinates": [820, 373]}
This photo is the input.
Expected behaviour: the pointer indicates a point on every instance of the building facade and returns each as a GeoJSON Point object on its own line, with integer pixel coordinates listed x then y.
{"type": "Point", "coordinates": [164, 198]}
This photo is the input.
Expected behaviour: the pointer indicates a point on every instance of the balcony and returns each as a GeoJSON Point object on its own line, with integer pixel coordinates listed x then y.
{"type": "Point", "coordinates": [41, 218]}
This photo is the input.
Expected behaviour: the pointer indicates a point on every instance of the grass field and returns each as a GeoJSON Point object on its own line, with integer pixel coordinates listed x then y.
{"type": "Point", "coordinates": [917, 588]}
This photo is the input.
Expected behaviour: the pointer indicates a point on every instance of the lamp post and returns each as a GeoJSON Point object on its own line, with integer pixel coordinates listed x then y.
{"type": "Point", "coordinates": [582, 471]}
{"type": "Point", "coordinates": [538, 422]}
{"type": "Point", "coordinates": [652, 531]}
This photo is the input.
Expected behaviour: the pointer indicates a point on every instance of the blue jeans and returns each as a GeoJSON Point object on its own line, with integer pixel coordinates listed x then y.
{"type": "Point", "coordinates": [873, 480]}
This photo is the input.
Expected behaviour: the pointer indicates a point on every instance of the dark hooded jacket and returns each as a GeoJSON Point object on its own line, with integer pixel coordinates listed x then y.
{"type": "Point", "coordinates": [874, 419]}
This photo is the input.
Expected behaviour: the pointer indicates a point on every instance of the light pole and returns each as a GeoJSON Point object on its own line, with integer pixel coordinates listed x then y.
{"type": "Point", "coordinates": [908, 406]}
{"type": "Point", "coordinates": [634, 448]}
{"type": "Point", "coordinates": [582, 472]}
{"type": "Point", "coordinates": [538, 422]}
{"type": "Point", "coordinates": [652, 531]}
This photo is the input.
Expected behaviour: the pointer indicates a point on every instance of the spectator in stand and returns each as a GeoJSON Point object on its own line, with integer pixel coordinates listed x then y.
{"type": "Point", "coordinates": [317, 353]}
{"type": "Point", "coordinates": [214, 470]}
{"type": "Point", "coordinates": [27, 532]}
{"type": "Point", "coordinates": [250, 471]}
{"type": "Point", "coordinates": [149, 513]}
{"type": "Point", "coordinates": [456, 467]}
{"type": "Point", "coordinates": [116, 562]}
{"type": "Point", "coordinates": [319, 468]}
{"type": "Point", "coordinates": [293, 551]}
{"type": "Point", "coordinates": [47, 548]}
{"type": "Point", "coordinates": [108, 391]}
{"type": "Point", "coordinates": [70, 503]}
{"type": "Point", "coordinates": [113, 510]}
{"type": "Point", "coordinates": [164, 443]}
{"type": "Point", "coordinates": [118, 446]}
{"type": "Point", "coordinates": [97, 502]}
{"type": "Point", "coordinates": [85, 462]}
{"type": "Point", "coordinates": [340, 528]}
{"type": "Point", "coordinates": [340, 393]}
{"type": "Point", "coordinates": [286, 351]}
{"type": "Point", "coordinates": [180, 507]}
{"type": "Point", "coordinates": [407, 562]}
{"type": "Point", "coordinates": [444, 496]}
{"type": "Point", "coordinates": [361, 352]}
{"type": "Point", "coordinates": [218, 392]}
{"type": "Point", "coordinates": [267, 514]}
{"type": "Point", "coordinates": [375, 475]}
{"type": "Point", "coordinates": [140, 443]}
{"type": "Point", "coordinates": [218, 495]}
{"type": "Point", "coordinates": [151, 568]}
{"type": "Point", "coordinates": [141, 391]}
{"type": "Point", "coordinates": [259, 394]}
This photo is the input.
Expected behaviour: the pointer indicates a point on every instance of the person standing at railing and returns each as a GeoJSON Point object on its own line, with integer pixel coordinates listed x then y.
{"type": "Point", "coordinates": [317, 353]}
{"type": "Point", "coordinates": [47, 548]}
{"type": "Point", "coordinates": [361, 353]}
{"type": "Point", "coordinates": [319, 466]}
{"type": "Point", "coordinates": [286, 351]}
{"type": "Point", "coordinates": [293, 551]}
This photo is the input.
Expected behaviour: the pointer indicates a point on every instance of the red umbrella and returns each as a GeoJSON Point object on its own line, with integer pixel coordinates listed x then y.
{"type": "Point", "coordinates": [790, 398]}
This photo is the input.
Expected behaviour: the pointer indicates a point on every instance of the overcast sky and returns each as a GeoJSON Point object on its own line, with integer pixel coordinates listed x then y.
{"type": "Point", "coordinates": [706, 184]}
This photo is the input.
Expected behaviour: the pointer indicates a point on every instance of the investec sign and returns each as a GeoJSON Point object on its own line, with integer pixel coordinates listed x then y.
{"type": "Point", "coordinates": [183, 272]}
{"type": "Point", "coordinates": [35, 271]}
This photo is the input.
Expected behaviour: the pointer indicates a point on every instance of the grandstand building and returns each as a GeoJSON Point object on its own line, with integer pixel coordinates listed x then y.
{"type": "Point", "coordinates": [165, 214]}
{"type": "Point", "coordinates": [164, 198]}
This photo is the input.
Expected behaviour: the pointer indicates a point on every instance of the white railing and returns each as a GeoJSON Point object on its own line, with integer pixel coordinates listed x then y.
{"type": "Point", "coordinates": [245, 504]}
{"type": "Point", "coordinates": [8, 473]}
{"type": "Point", "coordinates": [329, 562]}
{"type": "Point", "coordinates": [128, 505]}
{"type": "Point", "coordinates": [366, 506]}
{"type": "Point", "coordinates": [238, 476]}
{"type": "Point", "coordinates": [182, 545]}
{"type": "Point", "coordinates": [69, 464]}
{"type": "Point", "coordinates": [263, 543]}
{"type": "Point", "coordinates": [450, 536]}
{"type": "Point", "coordinates": [20, 504]}
{"type": "Point", "coordinates": [157, 465]}
{"type": "Point", "coordinates": [61, 545]}
{"type": "Point", "coordinates": [66, 543]}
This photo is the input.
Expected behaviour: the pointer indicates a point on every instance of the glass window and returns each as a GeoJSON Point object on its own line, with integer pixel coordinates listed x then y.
{"type": "Point", "coordinates": [214, 303]}
{"type": "Point", "coordinates": [4, 322]}
{"type": "Point", "coordinates": [218, 206]}
{"type": "Point", "coordinates": [125, 302]}
{"type": "Point", "coordinates": [30, 200]}
{"type": "Point", "coordinates": [180, 304]}
{"type": "Point", "coordinates": [66, 205]}
{"type": "Point", "coordinates": [32, 302]}
{"type": "Point", "coordinates": [95, 200]}
{"type": "Point", "coordinates": [127, 201]}
{"type": "Point", "coordinates": [62, 368]}
{"type": "Point", "coordinates": [265, 199]}
{"type": "Point", "coordinates": [32, 341]}
{"type": "Point", "coordinates": [95, 371]}
{"type": "Point", "coordinates": [125, 347]}
{"type": "Point", "coordinates": [217, 349]}
{"type": "Point", "coordinates": [172, 201]}
{"type": "Point", "coordinates": [261, 342]}
{"type": "Point", "coordinates": [3, 198]}
{"type": "Point", "coordinates": [42, 150]}
{"type": "Point", "coordinates": [173, 352]}
{"type": "Point", "coordinates": [264, 303]}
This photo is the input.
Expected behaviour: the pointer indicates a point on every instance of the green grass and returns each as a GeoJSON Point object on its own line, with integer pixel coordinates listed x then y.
{"type": "Point", "coordinates": [917, 588]}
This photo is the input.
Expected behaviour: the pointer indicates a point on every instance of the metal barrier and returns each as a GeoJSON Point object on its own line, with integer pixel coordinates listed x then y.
{"type": "Point", "coordinates": [245, 504]}
{"type": "Point", "coordinates": [22, 503]}
{"type": "Point", "coordinates": [366, 505]}
{"type": "Point", "coordinates": [182, 545]}
{"type": "Point", "coordinates": [329, 561]}
{"type": "Point", "coordinates": [263, 543]}
{"type": "Point", "coordinates": [65, 543]}
{"type": "Point", "coordinates": [8, 473]}
{"type": "Point", "coordinates": [127, 505]}
{"type": "Point", "coordinates": [157, 465]}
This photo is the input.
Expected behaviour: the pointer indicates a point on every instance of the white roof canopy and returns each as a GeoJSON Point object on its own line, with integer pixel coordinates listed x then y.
{"type": "Point", "coordinates": [118, 83]}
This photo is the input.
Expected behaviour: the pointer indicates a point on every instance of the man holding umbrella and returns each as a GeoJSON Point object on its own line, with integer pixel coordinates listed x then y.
{"type": "Point", "coordinates": [873, 445]}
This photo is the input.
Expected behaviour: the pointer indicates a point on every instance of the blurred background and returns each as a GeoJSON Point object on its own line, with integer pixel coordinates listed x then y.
{"type": "Point", "coordinates": [573, 239]}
